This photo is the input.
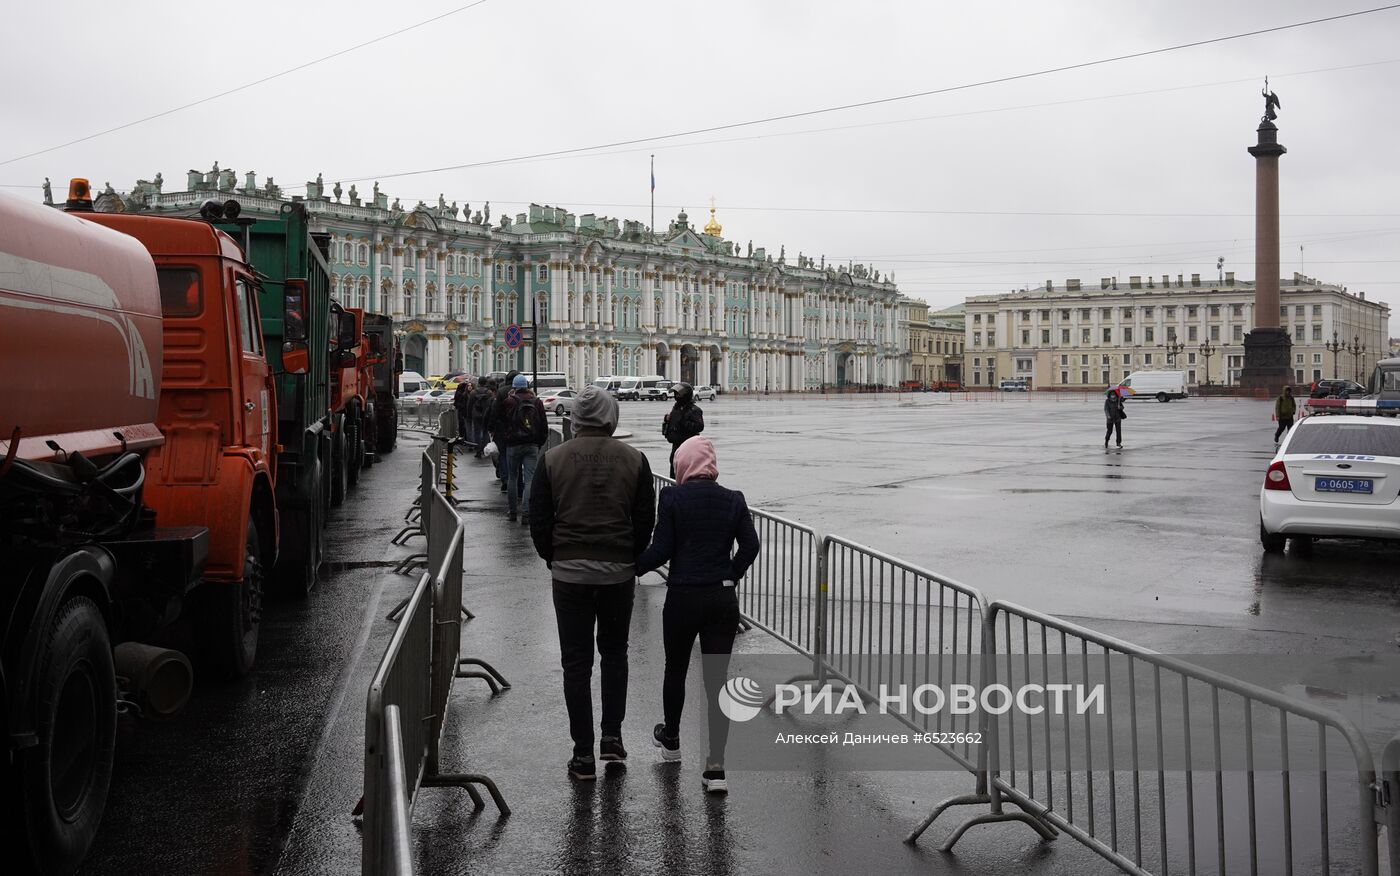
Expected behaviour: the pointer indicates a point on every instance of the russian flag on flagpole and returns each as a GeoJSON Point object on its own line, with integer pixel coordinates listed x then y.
{"type": "Point", "coordinates": [653, 180]}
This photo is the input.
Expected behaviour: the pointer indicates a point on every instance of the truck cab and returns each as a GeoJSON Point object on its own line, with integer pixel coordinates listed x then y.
{"type": "Point", "coordinates": [218, 413]}
{"type": "Point", "coordinates": [1385, 380]}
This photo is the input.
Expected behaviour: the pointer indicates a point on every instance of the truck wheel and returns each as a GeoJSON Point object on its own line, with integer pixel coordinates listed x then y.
{"type": "Point", "coordinates": [232, 613]}
{"type": "Point", "coordinates": [66, 776]}
{"type": "Point", "coordinates": [338, 465]}
{"type": "Point", "coordinates": [1163, 397]}
{"type": "Point", "coordinates": [388, 431]}
{"type": "Point", "coordinates": [354, 450]}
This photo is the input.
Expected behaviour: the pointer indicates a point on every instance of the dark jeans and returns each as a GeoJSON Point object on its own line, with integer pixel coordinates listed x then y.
{"type": "Point", "coordinates": [520, 470]}
{"type": "Point", "coordinates": [578, 608]}
{"type": "Point", "coordinates": [712, 614]}
{"type": "Point", "coordinates": [477, 433]}
{"type": "Point", "coordinates": [1114, 425]}
{"type": "Point", "coordinates": [1284, 424]}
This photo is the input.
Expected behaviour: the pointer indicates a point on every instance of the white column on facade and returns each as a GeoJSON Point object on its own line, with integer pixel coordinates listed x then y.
{"type": "Point", "coordinates": [396, 256]}
{"type": "Point", "coordinates": [556, 294]}
{"type": "Point", "coordinates": [668, 302]}
{"type": "Point", "coordinates": [488, 294]}
{"type": "Point", "coordinates": [608, 275]}
{"type": "Point", "coordinates": [702, 375]}
{"type": "Point", "coordinates": [420, 254]}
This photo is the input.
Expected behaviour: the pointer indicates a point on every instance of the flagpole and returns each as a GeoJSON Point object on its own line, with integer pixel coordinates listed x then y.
{"type": "Point", "coordinates": [653, 194]}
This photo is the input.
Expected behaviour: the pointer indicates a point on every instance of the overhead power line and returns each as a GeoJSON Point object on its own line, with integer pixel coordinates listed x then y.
{"type": "Point", "coordinates": [875, 101]}
{"type": "Point", "coordinates": [163, 113]}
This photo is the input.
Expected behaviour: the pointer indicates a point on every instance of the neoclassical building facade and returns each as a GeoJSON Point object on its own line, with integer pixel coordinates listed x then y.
{"type": "Point", "coordinates": [608, 296]}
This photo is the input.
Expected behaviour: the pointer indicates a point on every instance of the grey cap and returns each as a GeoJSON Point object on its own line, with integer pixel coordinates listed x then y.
{"type": "Point", "coordinates": [594, 408]}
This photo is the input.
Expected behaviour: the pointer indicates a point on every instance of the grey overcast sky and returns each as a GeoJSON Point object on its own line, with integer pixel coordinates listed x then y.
{"type": "Point", "coordinates": [1132, 167]}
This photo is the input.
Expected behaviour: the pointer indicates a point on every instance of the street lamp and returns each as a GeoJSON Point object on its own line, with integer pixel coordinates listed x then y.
{"type": "Point", "coordinates": [1334, 347]}
{"type": "Point", "coordinates": [1173, 349]}
{"type": "Point", "coordinates": [1358, 350]}
{"type": "Point", "coordinates": [1206, 352]}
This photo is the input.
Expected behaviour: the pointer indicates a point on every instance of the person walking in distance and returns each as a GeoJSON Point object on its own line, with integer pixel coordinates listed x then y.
{"type": "Point", "coordinates": [591, 513]}
{"type": "Point", "coordinates": [698, 524]}
{"type": "Point", "coordinates": [684, 422]}
{"type": "Point", "coordinates": [461, 403]}
{"type": "Point", "coordinates": [526, 429]}
{"type": "Point", "coordinates": [479, 407]}
{"type": "Point", "coordinates": [495, 422]}
{"type": "Point", "coordinates": [1115, 415]}
{"type": "Point", "coordinates": [1284, 410]}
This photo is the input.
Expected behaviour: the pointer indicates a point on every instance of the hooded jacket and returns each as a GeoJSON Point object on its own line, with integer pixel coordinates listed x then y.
{"type": "Point", "coordinates": [698, 522]}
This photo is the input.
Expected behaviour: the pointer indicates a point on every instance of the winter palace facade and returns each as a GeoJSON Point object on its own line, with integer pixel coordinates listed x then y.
{"type": "Point", "coordinates": [608, 296]}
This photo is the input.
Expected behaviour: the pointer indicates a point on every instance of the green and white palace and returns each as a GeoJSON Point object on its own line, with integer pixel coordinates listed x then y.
{"type": "Point", "coordinates": [609, 296]}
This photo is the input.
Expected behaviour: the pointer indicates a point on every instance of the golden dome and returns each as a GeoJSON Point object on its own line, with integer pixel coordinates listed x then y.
{"type": "Point", "coordinates": [713, 228]}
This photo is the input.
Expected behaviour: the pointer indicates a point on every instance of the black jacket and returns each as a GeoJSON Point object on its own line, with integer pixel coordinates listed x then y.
{"type": "Point", "coordinates": [1113, 408]}
{"type": "Point", "coordinates": [683, 423]}
{"type": "Point", "coordinates": [541, 421]}
{"type": "Point", "coordinates": [495, 414]}
{"type": "Point", "coordinates": [479, 403]}
{"type": "Point", "coordinates": [592, 498]}
{"type": "Point", "coordinates": [696, 525]}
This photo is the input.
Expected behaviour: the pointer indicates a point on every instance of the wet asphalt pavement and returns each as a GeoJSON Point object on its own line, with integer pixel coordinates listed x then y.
{"type": "Point", "coordinates": [1156, 544]}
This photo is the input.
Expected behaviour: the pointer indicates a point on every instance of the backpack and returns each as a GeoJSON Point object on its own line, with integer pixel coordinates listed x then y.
{"type": "Point", "coordinates": [523, 419]}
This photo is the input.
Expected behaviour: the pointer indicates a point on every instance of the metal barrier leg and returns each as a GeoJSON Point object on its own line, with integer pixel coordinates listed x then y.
{"type": "Point", "coordinates": [496, 680]}
{"type": "Point", "coordinates": [406, 533]}
{"type": "Point", "coordinates": [465, 781]}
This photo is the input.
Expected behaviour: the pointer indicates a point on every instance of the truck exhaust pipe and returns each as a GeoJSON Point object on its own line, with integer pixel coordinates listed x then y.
{"type": "Point", "coordinates": [158, 680]}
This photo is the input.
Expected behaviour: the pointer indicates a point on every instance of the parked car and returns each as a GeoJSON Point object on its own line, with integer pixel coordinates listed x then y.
{"type": "Point", "coordinates": [1333, 476]}
{"type": "Point", "coordinates": [1336, 389]}
{"type": "Point", "coordinates": [411, 381]}
{"type": "Point", "coordinates": [705, 393]}
{"type": "Point", "coordinates": [557, 401]}
{"type": "Point", "coordinates": [428, 396]}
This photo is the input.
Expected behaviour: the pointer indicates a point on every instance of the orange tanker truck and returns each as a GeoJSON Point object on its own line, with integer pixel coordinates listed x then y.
{"type": "Point", "coordinates": [137, 421]}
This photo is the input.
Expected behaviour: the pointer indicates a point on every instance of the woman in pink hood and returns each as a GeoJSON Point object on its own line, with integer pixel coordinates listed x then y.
{"type": "Point", "coordinates": [698, 524]}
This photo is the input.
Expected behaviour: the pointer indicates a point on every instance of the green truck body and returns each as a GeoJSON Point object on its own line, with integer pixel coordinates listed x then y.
{"type": "Point", "coordinates": [281, 249]}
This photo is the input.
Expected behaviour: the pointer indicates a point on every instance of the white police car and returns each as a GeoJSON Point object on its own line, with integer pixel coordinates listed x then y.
{"type": "Point", "coordinates": [1334, 476]}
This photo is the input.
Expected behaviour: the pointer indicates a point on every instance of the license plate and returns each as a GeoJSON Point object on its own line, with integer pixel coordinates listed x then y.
{"type": "Point", "coordinates": [1343, 485]}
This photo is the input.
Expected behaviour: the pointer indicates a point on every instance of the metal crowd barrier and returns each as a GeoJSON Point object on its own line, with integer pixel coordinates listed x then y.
{"type": "Point", "coordinates": [409, 696]}
{"type": "Point", "coordinates": [402, 680]}
{"type": "Point", "coordinates": [1133, 809]}
{"type": "Point", "coordinates": [887, 622]}
{"type": "Point", "coordinates": [867, 618]}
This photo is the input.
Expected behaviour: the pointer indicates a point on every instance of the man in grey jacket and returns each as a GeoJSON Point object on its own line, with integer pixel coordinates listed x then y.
{"type": "Point", "coordinates": [592, 508]}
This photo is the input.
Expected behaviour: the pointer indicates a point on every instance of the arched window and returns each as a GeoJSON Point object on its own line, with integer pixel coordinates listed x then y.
{"type": "Point", "coordinates": [364, 254]}
{"type": "Point", "coordinates": [408, 303]}
{"type": "Point", "coordinates": [431, 300]}
{"type": "Point", "coordinates": [476, 304]}
{"type": "Point", "coordinates": [408, 257]}
{"type": "Point", "coordinates": [364, 293]}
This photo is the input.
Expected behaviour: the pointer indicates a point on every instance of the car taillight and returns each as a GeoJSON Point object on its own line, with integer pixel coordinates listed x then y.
{"type": "Point", "coordinates": [1277, 478]}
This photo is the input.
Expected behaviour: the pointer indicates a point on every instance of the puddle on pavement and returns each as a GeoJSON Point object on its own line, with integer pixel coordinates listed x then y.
{"type": "Point", "coordinates": [352, 565]}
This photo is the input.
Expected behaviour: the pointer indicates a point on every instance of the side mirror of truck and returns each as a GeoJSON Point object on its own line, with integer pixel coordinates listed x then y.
{"type": "Point", "coordinates": [344, 325]}
{"type": "Point", "coordinates": [343, 359]}
{"type": "Point", "coordinates": [296, 358]}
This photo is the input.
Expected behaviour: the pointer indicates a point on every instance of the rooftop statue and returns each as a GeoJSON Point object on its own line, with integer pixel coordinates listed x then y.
{"type": "Point", "coordinates": [48, 191]}
{"type": "Point", "coordinates": [337, 190]}
{"type": "Point", "coordinates": [1271, 103]}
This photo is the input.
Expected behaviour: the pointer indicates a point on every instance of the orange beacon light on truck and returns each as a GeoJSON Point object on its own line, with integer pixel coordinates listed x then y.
{"type": "Point", "coordinates": [79, 196]}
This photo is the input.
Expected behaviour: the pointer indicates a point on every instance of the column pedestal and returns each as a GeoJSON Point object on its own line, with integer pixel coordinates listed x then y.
{"type": "Point", "coordinates": [1268, 360]}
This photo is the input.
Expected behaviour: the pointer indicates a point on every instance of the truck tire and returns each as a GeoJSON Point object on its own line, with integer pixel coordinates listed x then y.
{"type": "Point", "coordinates": [232, 613]}
{"type": "Point", "coordinates": [1163, 397]}
{"type": "Point", "coordinates": [388, 431]}
{"type": "Point", "coordinates": [302, 543]}
{"type": "Point", "coordinates": [66, 776]}
{"type": "Point", "coordinates": [338, 464]}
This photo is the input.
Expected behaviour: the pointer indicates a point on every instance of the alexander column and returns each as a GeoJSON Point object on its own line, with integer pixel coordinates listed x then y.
{"type": "Point", "coordinates": [1267, 349]}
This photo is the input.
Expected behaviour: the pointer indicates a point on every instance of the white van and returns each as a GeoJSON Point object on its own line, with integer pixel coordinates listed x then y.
{"type": "Point", "coordinates": [1161, 385]}
{"type": "Point", "coordinates": [411, 381]}
{"type": "Point", "coordinates": [653, 387]}
{"type": "Point", "coordinates": [1015, 384]}
{"type": "Point", "coordinates": [547, 380]}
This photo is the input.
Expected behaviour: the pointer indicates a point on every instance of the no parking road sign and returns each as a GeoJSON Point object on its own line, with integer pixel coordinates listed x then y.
{"type": "Point", "coordinates": [514, 336]}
